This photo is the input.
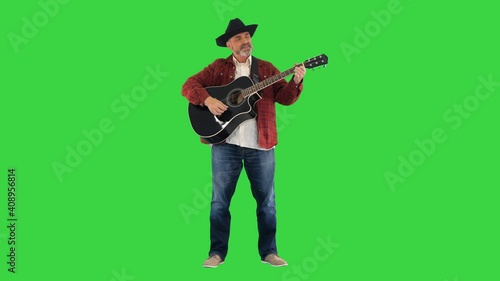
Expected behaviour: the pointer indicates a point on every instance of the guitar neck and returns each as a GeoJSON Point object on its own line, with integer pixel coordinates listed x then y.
{"type": "Point", "coordinates": [267, 82]}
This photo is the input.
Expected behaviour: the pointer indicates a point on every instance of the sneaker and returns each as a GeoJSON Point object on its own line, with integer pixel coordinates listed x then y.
{"type": "Point", "coordinates": [213, 261]}
{"type": "Point", "coordinates": [274, 260]}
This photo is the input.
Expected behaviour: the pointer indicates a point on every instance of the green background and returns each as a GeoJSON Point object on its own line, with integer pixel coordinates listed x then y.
{"type": "Point", "coordinates": [118, 214]}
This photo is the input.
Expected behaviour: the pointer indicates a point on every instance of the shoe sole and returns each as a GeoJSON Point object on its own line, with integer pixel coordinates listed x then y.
{"type": "Point", "coordinates": [279, 265]}
{"type": "Point", "coordinates": [212, 266]}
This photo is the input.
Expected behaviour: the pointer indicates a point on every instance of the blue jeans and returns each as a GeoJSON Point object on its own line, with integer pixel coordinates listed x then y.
{"type": "Point", "coordinates": [227, 162]}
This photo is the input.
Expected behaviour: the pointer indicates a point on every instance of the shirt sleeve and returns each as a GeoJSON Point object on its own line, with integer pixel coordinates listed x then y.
{"type": "Point", "coordinates": [194, 87]}
{"type": "Point", "coordinates": [286, 93]}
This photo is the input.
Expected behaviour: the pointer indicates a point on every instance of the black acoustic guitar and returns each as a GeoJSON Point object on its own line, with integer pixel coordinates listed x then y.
{"type": "Point", "coordinates": [240, 96]}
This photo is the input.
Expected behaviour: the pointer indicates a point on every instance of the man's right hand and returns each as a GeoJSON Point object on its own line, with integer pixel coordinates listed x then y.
{"type": "Point", "coordinates": [215, 106]}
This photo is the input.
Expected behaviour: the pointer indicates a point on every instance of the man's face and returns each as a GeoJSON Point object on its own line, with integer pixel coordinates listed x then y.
{"type": "Point", "coordinates": [241, 44]}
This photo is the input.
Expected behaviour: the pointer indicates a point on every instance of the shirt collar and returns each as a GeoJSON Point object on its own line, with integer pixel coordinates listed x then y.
{"type": "Point", "coordinates": [248, 62]}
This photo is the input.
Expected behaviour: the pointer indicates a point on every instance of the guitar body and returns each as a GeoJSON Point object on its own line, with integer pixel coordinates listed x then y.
{"type": "Point", "coordinates": [216, 129]}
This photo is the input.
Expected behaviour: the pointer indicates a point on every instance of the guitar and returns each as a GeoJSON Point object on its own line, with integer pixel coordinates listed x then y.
{"type": "Point", "coordinates": [240, 96]}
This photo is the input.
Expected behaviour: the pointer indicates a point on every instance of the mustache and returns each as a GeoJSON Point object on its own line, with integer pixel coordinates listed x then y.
{"type": "Point", "coordinates": [246, 46]}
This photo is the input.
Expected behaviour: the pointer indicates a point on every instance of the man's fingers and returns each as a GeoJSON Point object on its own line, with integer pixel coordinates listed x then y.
{"type": "Point", "coordinates": [218, 108]}
{"type": "Point", "coordinates": [221, 106]}
{"type": "Point", "coordinates": [300, 71]}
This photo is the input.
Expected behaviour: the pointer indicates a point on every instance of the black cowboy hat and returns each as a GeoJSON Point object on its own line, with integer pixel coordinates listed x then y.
{"type": "Point", "coordinates": [234, 27]}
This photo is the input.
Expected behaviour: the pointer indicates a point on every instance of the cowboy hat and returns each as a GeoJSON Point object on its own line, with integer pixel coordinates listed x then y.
{"type": "Point", "coordinates": [234, 27]}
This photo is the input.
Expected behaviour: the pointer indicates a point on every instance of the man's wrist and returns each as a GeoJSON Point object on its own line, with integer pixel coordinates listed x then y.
{"type": "Point", "coordinates": [205, 100]}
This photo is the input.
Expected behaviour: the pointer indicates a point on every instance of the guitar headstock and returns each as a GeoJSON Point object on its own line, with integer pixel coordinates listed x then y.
{"type": "Point", "coordinates": [316, 61]}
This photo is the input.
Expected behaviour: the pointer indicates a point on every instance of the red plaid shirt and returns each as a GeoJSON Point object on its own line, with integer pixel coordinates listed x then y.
{"type": "Point", "coordinates": [221, 72]}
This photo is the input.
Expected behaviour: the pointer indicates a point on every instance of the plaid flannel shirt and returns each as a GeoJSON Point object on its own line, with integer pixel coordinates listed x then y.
{"type": "Point", "coordinates": [221, 72]}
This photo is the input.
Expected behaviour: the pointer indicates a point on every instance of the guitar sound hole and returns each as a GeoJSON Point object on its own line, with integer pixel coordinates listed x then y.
{"type": "Point", "coordinates": [235, 98]}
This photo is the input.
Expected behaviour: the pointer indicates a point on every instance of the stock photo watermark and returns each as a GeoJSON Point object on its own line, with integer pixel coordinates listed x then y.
{"type": "Point", "coordinates": [122, 107]}
{"type": "Point", "coordinates": [454, 116]}
{"type": "Point", "coordinates": [121, 276]}
{"type": "Point", "coordinates": [11, 256]}
{"type": "Point", "coordinates": [223, 6]}
{"type": "Point", "coordinates": [201, 200]}
{"type": "Point", "coordinates": [324, 249]}
{"type": "Point", "coordinates": [364, 35]}
{"type": "Point", "coordinates": [284, 118]}
{"type": "Point", "coordinates": [12, 220]}
{"type": "Point", "coordinates": [31, 26]}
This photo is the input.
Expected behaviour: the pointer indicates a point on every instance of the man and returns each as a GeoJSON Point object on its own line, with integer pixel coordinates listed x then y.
{"type": "Point", "coordinates": [251, 145]}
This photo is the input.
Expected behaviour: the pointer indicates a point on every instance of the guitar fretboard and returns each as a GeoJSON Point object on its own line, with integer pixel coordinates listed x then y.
{"type": "Point", "coordinates": [265, 83]}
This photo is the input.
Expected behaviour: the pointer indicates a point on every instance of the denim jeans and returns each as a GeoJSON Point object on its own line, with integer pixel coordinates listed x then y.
{"type": "Point", "coordinates": [227, 162]}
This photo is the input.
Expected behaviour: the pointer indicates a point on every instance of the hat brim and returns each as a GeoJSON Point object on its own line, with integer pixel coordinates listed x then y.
{"type": "Point", "coordinates": [221, 40]}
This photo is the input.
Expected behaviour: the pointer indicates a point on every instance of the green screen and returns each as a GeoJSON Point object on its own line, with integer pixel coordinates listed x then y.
{"type": "Point", "coordinates": [387, 165]}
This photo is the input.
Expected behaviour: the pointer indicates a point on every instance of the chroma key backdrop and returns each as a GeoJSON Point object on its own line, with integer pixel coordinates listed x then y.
{"type": "Point", "coordinates": [386, 167]}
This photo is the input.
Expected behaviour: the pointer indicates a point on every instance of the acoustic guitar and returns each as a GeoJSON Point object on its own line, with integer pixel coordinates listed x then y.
{"type": "Point", "coordinates": [240, 96]}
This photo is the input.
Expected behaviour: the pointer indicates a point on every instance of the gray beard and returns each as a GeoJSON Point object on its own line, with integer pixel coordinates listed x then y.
{"type": "Point", "coordinates": [245, 53]}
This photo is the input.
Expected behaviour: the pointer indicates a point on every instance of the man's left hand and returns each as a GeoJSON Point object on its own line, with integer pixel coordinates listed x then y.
{"type": "Point", "coordinates": [300, 72]}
